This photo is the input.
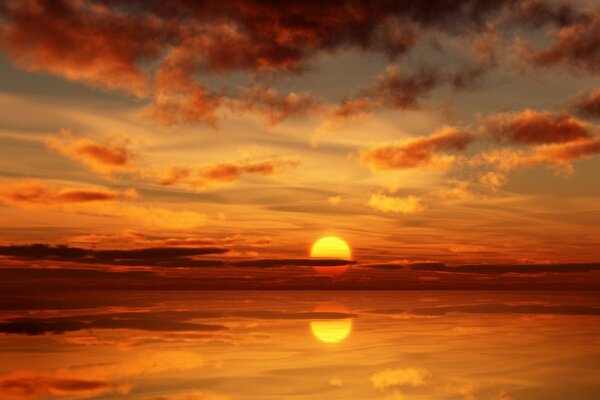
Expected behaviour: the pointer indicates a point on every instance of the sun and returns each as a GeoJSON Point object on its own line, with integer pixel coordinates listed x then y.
{"type": "Point", "coordinates": [331, 247]}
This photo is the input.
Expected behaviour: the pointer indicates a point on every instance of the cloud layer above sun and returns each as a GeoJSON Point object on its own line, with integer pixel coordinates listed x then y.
{"type": "Point", "coordinates": [459, 133]}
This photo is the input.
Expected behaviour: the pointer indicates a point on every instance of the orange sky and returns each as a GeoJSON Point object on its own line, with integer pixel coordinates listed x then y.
{"type": "Point", "coordinates": [229, 137]}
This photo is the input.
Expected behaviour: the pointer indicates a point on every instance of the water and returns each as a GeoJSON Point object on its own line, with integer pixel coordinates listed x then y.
{"type": "Point", "coordinates": [300, 345]}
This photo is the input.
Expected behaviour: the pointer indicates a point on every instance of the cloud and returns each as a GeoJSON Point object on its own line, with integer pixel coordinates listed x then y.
{"type": "Point", "coordinates": [135, 321]}
{"type": "Point", "coordinates": [33, 385]}
{"type": "Point", "coordinates": [539, 13]}
{"type": "Point", "coordinates": [162, 257]}
{"type": "Point", "coordinates": [493, 180]}
{"type": "Point", "coordinates": [509, 269]}
{"type": "Point", "coordinates": [392, 89]}
{"type": "Point", "coordinates": [334, 200]}
{"type": "Point", "coordinates": [276, 108]}
{"type": "Point", "coordinates": [114, 43]}
{"type": "Point", "coordinates": [139, 238]}
{"type": "Point", "coordinates": [101, 157]}
{"type": "Point", "coordinates": [31, 193]}
{"type": "Point", "coordinates": [494, 308]}
{"type": "Point", "coordinates": [577, 46]}
{"type": "Point", "coordinates": [414, 377]}
{"type": "Point", "coordinates": [151, 321]}
{"type": "Point", "coordinates": [141, 257]}
{"type": "Point", "coordinates": [193, 395]}
{"type": "Point", "coordinates": [404, 205]}
{"type": "Point", "coordinates": [107, 378]}
{"type": "Point", "coordinates": [557, 155]}
{"type": "Point", "coordinates": [178, 98]}
{"type": "Point", "coordinates": [277, 263]}
{"type": "Point", "coordinates": [157, 51]}
{"type": "Point", "coordinates": [421, 152]}
{"type": "Point", "coordinates": [397, 90]}
{"type": "Point", "coordinates": [224, 173]}
{"type": "Point", "coordinates": [588, 106]}
{"type": "Point", "coordinates": [530, 127]}
{"type": "Point", "coordinates": [34, 193]}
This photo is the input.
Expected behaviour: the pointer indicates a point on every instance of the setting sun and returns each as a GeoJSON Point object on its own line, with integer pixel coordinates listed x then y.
{"type": "Point", "coordinates": [331, 247]}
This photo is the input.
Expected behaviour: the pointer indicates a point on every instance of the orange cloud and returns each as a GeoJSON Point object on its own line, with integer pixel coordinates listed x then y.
{"type": "Point", "coordinates": [418, 152]}
{"type": "Point", "coordinates": [576, 46]}
{"type": "Point", "coordinates": [30, 192]}
{"type": "Point", "coordinates": [99, 156]}
{"type": "Point", "coordinates": [178, 98]}
{"type": "Point", "coordinates": [34, 385]}
{"type": "Point", "coordinates": [399, 377]}
{"type": "Point", "coordinates": [138, 238]}
{"type": "Point", "coordinates": [493, 180]}
{"type": "Point", "coordinates": [534, 127]}
{"type": "Point", "coordinates": [276, 108]}
{"type": "Point", "coordinates": [221, 173]}
{"type": "Point", "coordinates": [40, 36]}
{"type": "Point", "coordinates": [555, 155]}
{"type": "Point", "coordinates": [404, 205]}
{"type": "Point", "coordinates": [589, 106]}
{"type": "Point", "coordinates": [394, 89]}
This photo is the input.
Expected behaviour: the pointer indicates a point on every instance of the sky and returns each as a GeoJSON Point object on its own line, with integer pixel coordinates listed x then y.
{"type": "Point", "coordinates": [451, 145]}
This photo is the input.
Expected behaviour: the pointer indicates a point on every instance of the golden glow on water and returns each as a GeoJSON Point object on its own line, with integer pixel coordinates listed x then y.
{"type": "Point", "coordinates": [332, 330]}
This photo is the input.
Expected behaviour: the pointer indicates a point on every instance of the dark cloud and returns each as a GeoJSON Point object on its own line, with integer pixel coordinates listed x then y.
{"type": "Point", "coordinates": [137, 321]}
{"type": "Point", "coordinates": [589, 105]}
{"type": "Point", "coordinates": [396, 266]}
{"type": "Point", "coordinates": [508, 269]}
{"type": "Point", "coordinates": [153, 321]}
{"type": "Point", "coordinates": [144, 256]}
{"type": "Point", "coordinates": [493, 308]}
{"type": "Point", "coordinates": [275, 263]}
{"type": "Point", "coordinates": [577, 46]}
{"type": "Point", "coordinates": [539, 12]}
{"type": "Point", "coordinates": [155, 50]}
{"type": "Point", "coordinates": [397, 90]}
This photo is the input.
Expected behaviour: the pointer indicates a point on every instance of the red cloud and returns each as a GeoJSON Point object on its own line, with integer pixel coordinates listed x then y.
{"type": "Point", "coordinates": [418, 152]}
{"type": "Point", "coordinates": [395, 89]}
{"type": "Point", "coordinates": [274, 107]}
{"type": "Point", "coordinates": [154, 49]}
{"type": "Point", "coordinates": [576, 46]}
{"type": "Point", "coordinates": [28, 192]}
{"type": "Point", "coordinates": [555, 155]}
{"type": "Point", "coordinates": [533, 127]}
{"type": "Point", "coordinates": [178, 97]}
{"type": "Point", "coordinates": [30, 385]}
{"type": "Point", "coordinates": [589, 106]}
{"type": "Point", "coordinates": [99, 156]}
{"type": "Point", "coordinates": [222, 173]}
{"type": "Point", "coordinates": [94, 44]}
